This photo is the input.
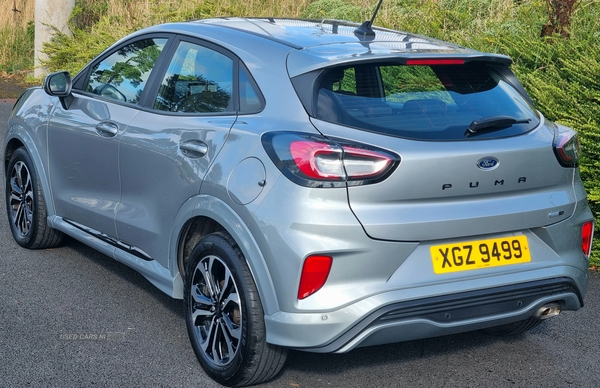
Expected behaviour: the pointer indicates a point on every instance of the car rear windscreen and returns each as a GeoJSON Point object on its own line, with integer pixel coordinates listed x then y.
{"type": "Point", "coordinates": [426, 102]}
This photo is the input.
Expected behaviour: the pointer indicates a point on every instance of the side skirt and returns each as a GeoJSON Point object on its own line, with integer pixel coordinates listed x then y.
{"type": "Point", "coordinates": [131, 256]}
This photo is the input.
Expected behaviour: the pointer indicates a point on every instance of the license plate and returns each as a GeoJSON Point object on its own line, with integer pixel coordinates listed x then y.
{"type": "Point", "coordinates": [480, 254]}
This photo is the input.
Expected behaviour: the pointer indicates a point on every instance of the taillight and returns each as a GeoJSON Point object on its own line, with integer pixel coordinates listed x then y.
{"type": "Point", "coordinates": [566, 146]}
{"type": "Point", "coordinates": [316, 161]}
{"type": "Point", "coordinates": [587, 234]}
{"type": "Point", "coordinates": [314, 274]}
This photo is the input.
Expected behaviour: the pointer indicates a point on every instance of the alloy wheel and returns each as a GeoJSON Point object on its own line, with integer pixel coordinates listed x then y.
{"type": "Point", "coordinates": [21, 203]}
{"type": "Point", "coordinates": [216, 310]}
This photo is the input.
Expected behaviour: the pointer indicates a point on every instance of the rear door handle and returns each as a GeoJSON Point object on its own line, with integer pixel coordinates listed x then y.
{"type": "Point", "coordinates": [194, 148]}
{"type": "Point", "coordinates": [107, 129]}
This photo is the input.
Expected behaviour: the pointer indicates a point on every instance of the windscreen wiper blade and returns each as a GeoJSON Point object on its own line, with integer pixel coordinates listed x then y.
{"type": "Point", "coordinates": [494, 123]}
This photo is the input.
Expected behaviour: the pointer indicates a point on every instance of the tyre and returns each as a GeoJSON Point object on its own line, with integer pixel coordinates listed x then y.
{"type": "Point", "coordinates": [514, 328]}
{"type": "Point", "coordinates": [25, 205]}
{"type": "Point", "coordinates": [224, 315]}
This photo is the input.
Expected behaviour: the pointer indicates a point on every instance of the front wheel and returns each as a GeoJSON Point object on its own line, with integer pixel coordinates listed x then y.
{"type": "Point", "coordinates": [25, 205]}
{"type": "Point", "coordinates": [224, 315]}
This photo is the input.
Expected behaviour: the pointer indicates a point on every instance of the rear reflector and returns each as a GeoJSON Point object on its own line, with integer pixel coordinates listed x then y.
{"type": "Point", "coordinates": [587, 234]}
{"type": "Point", "coordinates": [314, 274]}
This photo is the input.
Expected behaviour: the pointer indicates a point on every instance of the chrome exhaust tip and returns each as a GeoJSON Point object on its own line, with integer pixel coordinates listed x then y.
{"type": "Point", "coordinates": [548, 311]}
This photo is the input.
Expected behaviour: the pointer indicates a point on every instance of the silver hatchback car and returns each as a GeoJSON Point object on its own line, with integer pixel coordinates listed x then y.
{"type": "Point", "coordinates": [307, 185]}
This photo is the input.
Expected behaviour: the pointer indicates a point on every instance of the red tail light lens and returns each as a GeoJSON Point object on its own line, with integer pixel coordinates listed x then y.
{"type": "Point", "coordinates": [587, 234]}
{"type": "Point", "coordinates": [566, 146]}
{"type": "Point", "coordinates": [314, 274]}
{"type": "Point", "coordinates": [316, 161]}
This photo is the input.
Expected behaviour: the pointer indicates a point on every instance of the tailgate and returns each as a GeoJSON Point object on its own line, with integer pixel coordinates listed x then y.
{"type": "Point", "coordinates": [451, 189]}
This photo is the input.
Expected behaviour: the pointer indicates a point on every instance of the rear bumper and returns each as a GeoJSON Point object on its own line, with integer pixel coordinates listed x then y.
{"type": "Point", "coordinates": [422, 318]}
{"type": "Point", "coordinates": [385, 291]}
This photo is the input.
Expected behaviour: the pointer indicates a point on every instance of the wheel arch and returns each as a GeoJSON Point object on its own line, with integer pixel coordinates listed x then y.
{"type": "Point", "coordinates": [17, 136]}
{"type": "Point", "coordinates": [11, 146]}
{"type": "Point", "coordinates": [204, 214]}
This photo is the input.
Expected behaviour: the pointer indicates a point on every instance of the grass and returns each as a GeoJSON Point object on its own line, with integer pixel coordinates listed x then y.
{"type": "Point", "coordinates": [561, 74]}
{"type": "Point", "coordinates": [16, 35]}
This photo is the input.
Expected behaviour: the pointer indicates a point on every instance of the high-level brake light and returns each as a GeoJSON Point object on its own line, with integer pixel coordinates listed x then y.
{"type": "Point", "coordinates": [433, 62]}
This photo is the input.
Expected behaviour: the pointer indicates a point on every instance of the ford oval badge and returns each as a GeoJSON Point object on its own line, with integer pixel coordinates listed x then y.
{"type": "Point", "coordinates": [488, 163]}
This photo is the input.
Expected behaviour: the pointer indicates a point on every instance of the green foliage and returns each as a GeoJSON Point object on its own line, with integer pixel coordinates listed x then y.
{"type": "Point", "coordinates": [203, 9]}
{"type": "Point", "coordinates": [73, 52]}
{"type": "Point", "coordinates": [559, 16]}
{"type": "Point", "coordinates": [334, 9]}
{"type": "Point", "coordinates": [16, 48]}
{"type": "Point", "coordinates": [568, 91]}
{"type": "Point", "coordinates": [86, 13]}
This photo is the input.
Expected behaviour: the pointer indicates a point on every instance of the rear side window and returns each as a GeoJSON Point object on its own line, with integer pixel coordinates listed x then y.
{"type": "Point", "coordinates": [199, 80]}
{"type": "Point", "coordinates": [428, 102]}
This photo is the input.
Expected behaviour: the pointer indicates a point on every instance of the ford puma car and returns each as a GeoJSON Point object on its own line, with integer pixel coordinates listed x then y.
{"type": "Point", "coordinates": [306, 185]}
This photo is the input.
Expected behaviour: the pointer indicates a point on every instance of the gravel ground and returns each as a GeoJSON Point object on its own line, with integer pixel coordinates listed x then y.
{"type": "Point", "coordinates": [11, 86]}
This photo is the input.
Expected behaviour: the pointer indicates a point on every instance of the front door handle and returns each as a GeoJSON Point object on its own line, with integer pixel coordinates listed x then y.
{"type": "Point", "coordinates": [194, 148]}
{"type": "Point", "coordinates": [107, 129]}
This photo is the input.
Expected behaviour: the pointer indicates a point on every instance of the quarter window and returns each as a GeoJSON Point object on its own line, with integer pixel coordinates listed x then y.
{"type": "Point", "coordinates": [250, 98]}
{"type": "Point", "coordinates": [123, 75]}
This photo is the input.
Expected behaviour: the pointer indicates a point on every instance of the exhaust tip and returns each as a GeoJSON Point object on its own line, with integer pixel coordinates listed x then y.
{"type": "Point", "coordinates": [548, 311]}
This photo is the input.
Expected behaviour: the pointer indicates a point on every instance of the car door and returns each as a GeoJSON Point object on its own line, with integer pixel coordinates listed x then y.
{"type": "Point", "coordinates": [165, 153]}
{"type": "Point", "coordinates": [83, 140]}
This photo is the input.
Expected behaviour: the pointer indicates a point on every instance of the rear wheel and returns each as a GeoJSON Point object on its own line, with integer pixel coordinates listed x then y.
{"type": "Point", "coordinates": [514, 328]}
{"type": "Point", "coordinates": [224, 315]}
{"type": "Point", "coordinates": [25, 205]}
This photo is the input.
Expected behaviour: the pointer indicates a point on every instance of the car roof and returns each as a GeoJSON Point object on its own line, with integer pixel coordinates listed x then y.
{"type": "Point", "coordinates": [303, 33]}
{"type": "Point", "coordinates": [317, 44]}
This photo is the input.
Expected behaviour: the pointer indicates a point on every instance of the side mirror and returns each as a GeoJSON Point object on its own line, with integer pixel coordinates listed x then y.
{"type": "Point", "coordinates": [59, 85]}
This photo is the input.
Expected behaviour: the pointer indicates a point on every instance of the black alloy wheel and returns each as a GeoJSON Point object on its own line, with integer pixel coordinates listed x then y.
{"type": "Point", "coordinates": [25, 205]}
{"type": "Point", "coordinates": [224, 315]}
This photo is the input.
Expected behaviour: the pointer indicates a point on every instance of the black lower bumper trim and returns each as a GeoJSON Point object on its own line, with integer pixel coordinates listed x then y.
{"type": "Point", "coordinates": [462, 306]}
{"type": "Point", "coordinates": [479, 303]}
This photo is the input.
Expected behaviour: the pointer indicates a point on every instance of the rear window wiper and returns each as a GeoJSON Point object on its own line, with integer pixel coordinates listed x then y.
{"type": "Point", "coordinates": [494, 123]}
